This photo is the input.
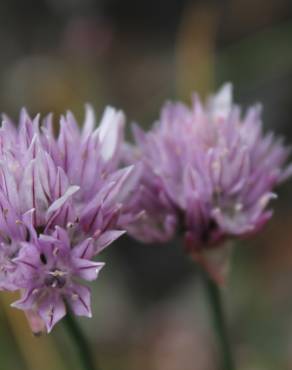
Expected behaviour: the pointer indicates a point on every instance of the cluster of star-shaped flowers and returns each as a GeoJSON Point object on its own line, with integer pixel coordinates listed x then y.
{"type": "Point", "coordinates": [61, 200]}
{"type": "Point", "coordinates": [207, 173]}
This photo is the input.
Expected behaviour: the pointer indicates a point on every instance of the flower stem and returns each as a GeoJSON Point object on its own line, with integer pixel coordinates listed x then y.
{"type": "Point", "coordinates": [215, 303]}
{"type": "Point", "coordinates": [82, 347]}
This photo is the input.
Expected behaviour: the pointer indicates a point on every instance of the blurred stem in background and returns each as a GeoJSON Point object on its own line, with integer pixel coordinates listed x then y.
{"type": "Point", "coordinates": [195, 49]}
{"type": "Point", "coordinates": [82, 346]}
{"type": "Point", "coordinates": [216, 309]}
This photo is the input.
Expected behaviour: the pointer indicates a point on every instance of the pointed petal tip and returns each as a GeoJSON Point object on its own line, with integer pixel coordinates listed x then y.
{"type": "Point", "coordinates": [89, 120]}
{"type": "Point", "coordinates": [226, 88]}
{"type": "Point", "coordinates": [60, 201]}
{"type": "Point", "coordinates": [110, 131]}
{"type": "Point", "coordinates": [23, 112]}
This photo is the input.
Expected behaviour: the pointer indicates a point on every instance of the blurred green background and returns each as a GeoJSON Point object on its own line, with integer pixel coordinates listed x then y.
{"type": "Point", "coordinates": [148, 304]}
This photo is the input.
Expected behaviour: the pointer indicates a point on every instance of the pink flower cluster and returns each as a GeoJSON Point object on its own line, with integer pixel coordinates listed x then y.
{"type": "Point", "coordinates": [61, 199]}
{"type": "Point", "coordinates": [206, 173]}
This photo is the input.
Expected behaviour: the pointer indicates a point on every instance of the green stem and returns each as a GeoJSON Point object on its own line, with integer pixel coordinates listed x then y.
{"type": "Point", "coordinates": [82, 347]}
{"type": "Point", "coordinates": [215, 303]}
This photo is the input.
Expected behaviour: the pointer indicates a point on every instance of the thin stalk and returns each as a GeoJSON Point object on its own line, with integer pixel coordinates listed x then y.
{"type": "Point", "coordinates": [216, 309]}
{"type": "Point", "coordinates": [81, 344]}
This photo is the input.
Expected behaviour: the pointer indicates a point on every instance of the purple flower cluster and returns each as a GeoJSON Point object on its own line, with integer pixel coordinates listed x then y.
{"type": "Point", "coordinates": [207, 173]}
{"type": "Point", "coordinates": [202, 172]}
{"type": "Point", "coordinates": [61, 200]}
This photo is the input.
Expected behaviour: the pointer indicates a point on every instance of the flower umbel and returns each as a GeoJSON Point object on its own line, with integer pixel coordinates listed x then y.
{"type": "Point", "coordinates": [61, 200]}
{"type": "Point", "coordinates": [208, 173]}
{"type": "Point", "coordinates": [51, 271]}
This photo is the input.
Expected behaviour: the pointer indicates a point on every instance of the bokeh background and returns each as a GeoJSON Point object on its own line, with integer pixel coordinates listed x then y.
{"type": "Point", "coordinates": [149, 307]}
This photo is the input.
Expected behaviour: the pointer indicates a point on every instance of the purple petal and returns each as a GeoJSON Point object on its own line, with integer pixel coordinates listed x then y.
{"type": "Point", "coordinates": [63, 199]}
{"type": "Point", "coordinates": [79, 300]}
{"type": "Point", "coordinates": [87, 270]}
{"type": "Point", "coordinates": [85, 249]}
{"type": "Point", "coordinates": [107, 238]}
{"type": "Point", "coordinates": [89, 122]}
{"type": "Point", "coordinates": [52, 310]}
{"type": "Point", "coordinates": [109, 131]}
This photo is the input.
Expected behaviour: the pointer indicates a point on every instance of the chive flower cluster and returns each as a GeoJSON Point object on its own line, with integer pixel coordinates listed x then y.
{"type": "Point", "coordinates": [206, 173]}
{"type": "Point", "coordinates": [61, 198]}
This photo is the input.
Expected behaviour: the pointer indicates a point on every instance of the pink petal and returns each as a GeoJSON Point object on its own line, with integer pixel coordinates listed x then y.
{"type": "Point", "coordinates": [87, 270]}
{"type": "Point", "coordinates": [107, 238]}
{"type": "Point", "coordinates": [109, 131]}
{"type": "Point", "coordinates": [52, 310]}
{"type": "Point", "coordinates": [84, 250]}
{"type": "Point", "coordinates": [79, 300]}
{"type": "Point", "coordinates": [60, 201]}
